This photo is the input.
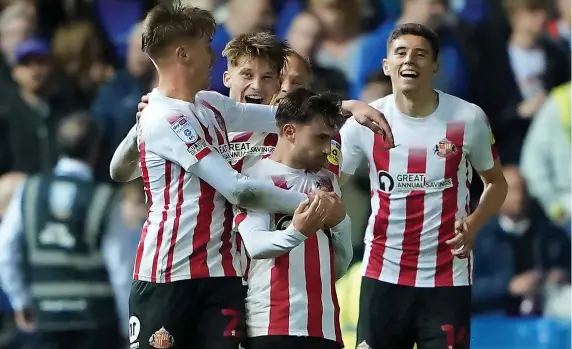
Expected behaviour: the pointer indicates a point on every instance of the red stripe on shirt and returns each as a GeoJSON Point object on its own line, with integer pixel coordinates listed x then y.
{"type": "Point", "coordinates": [337, 328]}
{"type": "Point", "coordinates": [375, 261]}
{"type": "Point", "coordinates": [313, 286]}
{"type": "Point", "coordinates": [444, 266]}
{"type": "Point", "coordinates": [415, 215]}
{"type": "Point", "coordinates": [176, 222]}
{"type": "Point", "coordinates": [202, 233]}
{"type": "Point", "coordinates": [147, 189]}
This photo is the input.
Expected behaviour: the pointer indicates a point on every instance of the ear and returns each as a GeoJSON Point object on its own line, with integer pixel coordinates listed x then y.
{"type": "Point", "coordinates": [289, 132]}
{"type": "Point", "coordinates": [385, 67]}
{"type": "Point", "coordinates": [226, 79]}
{"type": "Point", "coordinates": [182, 53]}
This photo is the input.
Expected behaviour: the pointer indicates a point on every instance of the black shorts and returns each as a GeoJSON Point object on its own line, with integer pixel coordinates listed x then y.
{"type": "Point", "coordinates": [290, 342]}
{"type": "Point", "coordinates": [187, 314]}
{"type": "Point", "coordinates": [396, 317]}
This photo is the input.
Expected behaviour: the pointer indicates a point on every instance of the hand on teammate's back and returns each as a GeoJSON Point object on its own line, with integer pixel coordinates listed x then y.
{"type": "Point", "coordinates": [144, 102]}
{"type": "Point", "coordinates": [371, 118]}
{"type": "Point", "coordinates": [311, 215]}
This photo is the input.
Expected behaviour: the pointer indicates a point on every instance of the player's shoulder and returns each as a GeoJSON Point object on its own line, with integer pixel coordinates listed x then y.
{"type": "Point", "coordinates": [252, 137]}
{"type": "Point", "coordinates": [162, 110]}
{"type": "Point", "coordinates": [382, 102]}
{"type": "Point", "coordinates": [264, 168]}
{"type": "Point", "coordinates": [212, 99]}
{"type": "Point", "coordinates": [460, 109]}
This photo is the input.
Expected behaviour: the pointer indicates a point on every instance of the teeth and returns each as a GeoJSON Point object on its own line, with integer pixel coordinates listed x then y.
{"type": "Point", "coordinates": [409, 73]}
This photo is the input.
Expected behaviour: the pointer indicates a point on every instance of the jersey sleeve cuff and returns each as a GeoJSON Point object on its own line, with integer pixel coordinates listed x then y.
{"type": "Point", "coordinates": [344, 225]}
{"type": "Point", "coordinates": [292, 232]}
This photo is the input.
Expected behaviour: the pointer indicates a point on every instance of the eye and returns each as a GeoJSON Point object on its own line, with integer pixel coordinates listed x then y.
{"type": "Point", "coordinates": [268, 77]}
{"type": "Point", "coordinates": [246, 75]}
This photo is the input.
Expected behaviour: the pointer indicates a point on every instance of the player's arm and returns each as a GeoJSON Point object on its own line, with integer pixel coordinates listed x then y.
{"type": "Point", "coordinates": [483, 156]}
{"type": "Point", "coordinates": [11, 239]}
{"type": "Point", "coordinates": [261, 118]}
{"type": "Point", "coordinates": [342, 241]}
{"type": "Point", "coordinates": [124, 165]}
{"type": "Point", "coordinates": [185, 147]}
{"type": "Point", "coordinates": [260, 241]}
{"type": "Point", "coordinates": [352, 149]}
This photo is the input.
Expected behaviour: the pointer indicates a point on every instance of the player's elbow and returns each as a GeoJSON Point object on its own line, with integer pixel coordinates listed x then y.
{"type": "Point", "coordinates": [243, 194]}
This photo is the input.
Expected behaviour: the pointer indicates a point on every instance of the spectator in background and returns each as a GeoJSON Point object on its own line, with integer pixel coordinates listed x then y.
{"type": "Point", "coordinates": [516, 80]}
{"type": "Point", "coordinates": [340, 40]}
{"type": "Point", "coordinates": [516, 254]}
{"type": "Point", "coordinates": [378, 85]}
{"type": "Point", "coordinates": [117, 100]}
{"type": "Point", "coordinates": [560, 28]}
{"type": "Point", "coordinates": [56, 238]}
{"type": "Point", "coordinates": [452, 76]}
{"type": "Point", "coordinates": [78, 51]}
{"type": "Point", "coordinates": [16, 24]}
{"type": "Point", "coordinates": [244, 16]}
{"type": "Point", "coordinates": [32, 110]}
{"type": "Point", "coordinates": [304, 37]}
{"type": "Point", "coordinates": [546, 157]}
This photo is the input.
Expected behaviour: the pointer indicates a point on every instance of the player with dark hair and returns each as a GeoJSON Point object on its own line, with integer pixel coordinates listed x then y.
{"type": "Point", "coordinates": [417, 262]}
{"type": "Point", "coordinates": [187, 290]}
{"type": "Point", "coordinates": [291, 299]}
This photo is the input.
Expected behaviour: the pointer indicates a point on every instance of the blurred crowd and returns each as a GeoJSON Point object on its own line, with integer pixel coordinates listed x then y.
{"type": "Point", "coordinates": [511, 57]}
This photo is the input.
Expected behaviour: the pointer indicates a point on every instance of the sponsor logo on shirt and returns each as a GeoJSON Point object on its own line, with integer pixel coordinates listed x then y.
{"type": "Point", "coordinates": [407, 182]}
{"type": "Point", "coordinates": [237, 151]}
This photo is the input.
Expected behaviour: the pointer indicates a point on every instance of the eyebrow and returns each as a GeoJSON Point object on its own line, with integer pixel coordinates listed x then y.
{"type": "Point", "coordinates": [414, 49]}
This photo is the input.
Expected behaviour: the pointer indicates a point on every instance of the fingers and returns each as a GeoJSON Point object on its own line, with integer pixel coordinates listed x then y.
{"type": "Point", "coordinates": [382, 126]}
{"type": "Point", "coordinates": [140, 107]}
{"type": "Point", "coordinates": [458, 239]}
{"type": "Point", "coordinates": [302, 207]}
{"type": "Point", "coordinates": [145, 98]}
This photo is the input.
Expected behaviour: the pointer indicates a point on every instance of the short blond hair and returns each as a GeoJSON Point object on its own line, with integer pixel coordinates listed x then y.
{"type": "Point", "coordinates": [261, 45]}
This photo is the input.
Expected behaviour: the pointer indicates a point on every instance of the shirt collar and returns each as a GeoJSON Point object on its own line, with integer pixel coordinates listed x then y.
{"type": "Point", "coordinates": [73, 167]}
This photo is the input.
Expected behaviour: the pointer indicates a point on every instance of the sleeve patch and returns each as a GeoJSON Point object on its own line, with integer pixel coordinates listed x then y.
{"type": "Point", "coordinates": [184, 130]}
{"type": "Point", "coordinates": [335, 155]}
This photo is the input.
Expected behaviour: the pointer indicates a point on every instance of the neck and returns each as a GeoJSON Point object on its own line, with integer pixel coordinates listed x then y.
{"type": "Point", "coordinates": [30, 97]}
{"type": "Point", "coordinates": [283, 155]}
{"type": "Point", "coordinates": [417, 104]}
{"type": "Point", "coordinates": [175, 85]}
{"type": "Point", "coordinates": [522, 40]}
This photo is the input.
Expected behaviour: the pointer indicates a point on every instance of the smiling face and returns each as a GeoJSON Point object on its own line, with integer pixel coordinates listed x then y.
{"type": "Point", "coordinates": [411, 63]}
{"type": "Point", "coordinates": [252, 80]}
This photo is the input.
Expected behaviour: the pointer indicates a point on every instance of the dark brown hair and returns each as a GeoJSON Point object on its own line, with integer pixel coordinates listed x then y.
{"type": "Point", "coordinates": [262, 45]}
{"type": "Point", "coordinates": [511, 6]}
{"type": "Point", "coordinates": [166, 24]}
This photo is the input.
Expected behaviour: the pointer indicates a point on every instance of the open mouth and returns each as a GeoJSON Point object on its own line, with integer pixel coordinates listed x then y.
{"type": "Point", "coordinates": [409, 74]}
{"type": "Point", "coordinates": [253, 99]}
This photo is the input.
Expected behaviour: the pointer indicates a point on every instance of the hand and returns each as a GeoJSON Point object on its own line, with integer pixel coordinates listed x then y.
{"type": "Point", "coordinates": [464, 239]}
{"type": "Point", "coordinates": [24, 320]}
{"type": "Point", "coordinates": [142, 105]}
{"type": "Point", "coordinates": [528, 108]}
{"type": "Point", "coordinates": [336, 211]}
{"type": "Point", "coordinates": [310, 216]}
{"type": "Point", "coordinates": [524, 283]}
{"type": "Point", "coordinates": [556, 276]}
{"type": "Point", "coordinates": [371, 118]}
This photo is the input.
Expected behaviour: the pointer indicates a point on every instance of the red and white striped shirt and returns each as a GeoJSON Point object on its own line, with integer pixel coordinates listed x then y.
{"type": "Point", "coordinates": [247, 148]}
{"type": "Point", "coordinates": [293, 294]}
{"type": "Point", "coordinates": [419, 188]}
{"type": "Point", "coordinates": [188, 232]}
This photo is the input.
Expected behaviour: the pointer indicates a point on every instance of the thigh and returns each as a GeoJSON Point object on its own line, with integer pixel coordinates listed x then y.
{"type": "Point", "coordinates": [443, 318]}
{"type": "Point", "coordinates": [162, 315]}
{"type": "Point", "coordinates": [385, 315]}
{"type": "Point", "coordinates": [221, 324]}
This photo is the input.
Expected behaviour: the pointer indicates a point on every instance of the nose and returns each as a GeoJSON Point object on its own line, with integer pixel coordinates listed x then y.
{"type": "Point", "coordinates": [286, 86]}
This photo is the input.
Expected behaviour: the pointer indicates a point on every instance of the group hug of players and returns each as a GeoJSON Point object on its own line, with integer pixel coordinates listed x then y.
{"type": "Point", "coordinates": [246, 233]}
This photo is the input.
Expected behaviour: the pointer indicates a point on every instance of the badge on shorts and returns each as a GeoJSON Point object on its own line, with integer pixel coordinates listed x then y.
{"type": "Point", "coordinates": [161, 339]}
